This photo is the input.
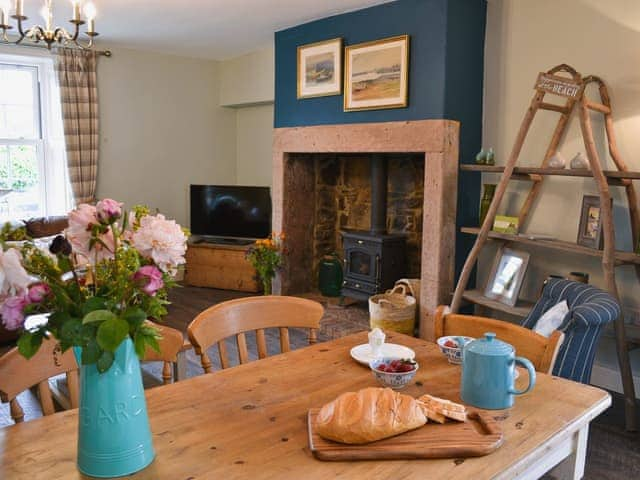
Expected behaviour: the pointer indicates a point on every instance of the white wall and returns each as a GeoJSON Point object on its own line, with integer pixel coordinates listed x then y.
{"type": "Point", "coordinates": [595, 37]}
{"type": "Point", "coordinates": [162, 129]}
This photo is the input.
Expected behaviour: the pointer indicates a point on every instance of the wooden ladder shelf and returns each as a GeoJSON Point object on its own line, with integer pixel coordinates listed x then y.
{"type": "Point", "coordinates": [566, 82]}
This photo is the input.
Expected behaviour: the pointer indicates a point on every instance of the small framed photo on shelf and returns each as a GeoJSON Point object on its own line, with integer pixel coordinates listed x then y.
{"type": "Point", "coordinates": [320, 69]}
{"type": "Point", "coordinates": [376, 74]}
{"type": "Point", "coordinates": [590, 229]}
{"type": "Point", "coordinates": [507, 274]}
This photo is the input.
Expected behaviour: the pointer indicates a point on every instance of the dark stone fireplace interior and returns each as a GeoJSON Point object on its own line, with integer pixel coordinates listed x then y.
{"type": "Point", "coordinates": [334, 194]}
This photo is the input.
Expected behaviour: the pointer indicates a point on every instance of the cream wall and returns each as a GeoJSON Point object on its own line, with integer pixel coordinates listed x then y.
{"type": "Point", "coordinates": [248, 79]}
{"type": "Point", "coordinates": [246, 86]}
{"type": "Point", "coordinates": [161, 129]}
{"type": "Point", "coordinates": [254, 143]}
{"type": "Point", "coordinates": [595, 37]}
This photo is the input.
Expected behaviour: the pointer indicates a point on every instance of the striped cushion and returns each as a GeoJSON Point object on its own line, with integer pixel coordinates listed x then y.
{"type": "Point", "coordinates": [590, 309]}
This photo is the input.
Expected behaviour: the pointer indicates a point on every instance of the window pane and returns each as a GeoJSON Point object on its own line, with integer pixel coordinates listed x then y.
{"type": "Point", "coordinates": [20, 184]}
{"type": "Point", "coordinates": [18, 101]}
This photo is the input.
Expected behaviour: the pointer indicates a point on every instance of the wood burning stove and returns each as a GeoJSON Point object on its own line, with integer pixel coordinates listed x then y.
{"type": "Point", "coordinates": [373, 259]}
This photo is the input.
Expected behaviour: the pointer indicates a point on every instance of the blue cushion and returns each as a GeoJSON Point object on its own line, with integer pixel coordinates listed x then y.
{"type": "Point", "coordinates": [590, 309]}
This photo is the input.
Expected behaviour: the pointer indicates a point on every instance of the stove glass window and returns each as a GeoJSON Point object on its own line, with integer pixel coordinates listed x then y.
{"type": "Point", "coordinates": [360, 263]}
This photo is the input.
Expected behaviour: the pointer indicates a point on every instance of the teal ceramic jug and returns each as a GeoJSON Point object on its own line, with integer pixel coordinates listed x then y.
{"type": "Point", "coordinates": [488, 373]}
{"type": "Point", "coordinates": [114, 438]}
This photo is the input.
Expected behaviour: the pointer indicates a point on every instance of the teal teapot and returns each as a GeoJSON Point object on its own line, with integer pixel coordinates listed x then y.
{"type": "Point", "coordinates": [488, 373]}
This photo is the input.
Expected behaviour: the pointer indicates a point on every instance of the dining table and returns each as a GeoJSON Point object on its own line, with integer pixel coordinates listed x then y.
{"type": "Point", "coordinates": [250, 421]}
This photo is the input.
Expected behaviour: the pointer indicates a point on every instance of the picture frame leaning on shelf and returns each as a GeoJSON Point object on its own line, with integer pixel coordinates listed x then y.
{"type": "Point", "coordinates": [507, 273]}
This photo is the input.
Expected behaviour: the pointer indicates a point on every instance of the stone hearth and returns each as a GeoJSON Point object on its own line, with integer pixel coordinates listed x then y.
{"type": "Point", "coordinates": [294, 196]}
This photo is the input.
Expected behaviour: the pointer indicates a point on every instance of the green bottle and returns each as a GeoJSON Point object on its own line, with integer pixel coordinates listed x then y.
{"type": "Point", "coordinates": [330, 275]}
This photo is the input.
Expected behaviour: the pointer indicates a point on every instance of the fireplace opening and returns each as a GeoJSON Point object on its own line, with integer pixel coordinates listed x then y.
{"type": "Point", "coordinates": [367, 209]}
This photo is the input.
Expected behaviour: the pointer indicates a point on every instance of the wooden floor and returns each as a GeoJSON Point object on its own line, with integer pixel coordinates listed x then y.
{"type": "Point", "coordinates": [612, 453]}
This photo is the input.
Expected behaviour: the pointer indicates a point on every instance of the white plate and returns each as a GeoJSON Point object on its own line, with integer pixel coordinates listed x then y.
{"type": "Point", "coordinates": [362, 353]}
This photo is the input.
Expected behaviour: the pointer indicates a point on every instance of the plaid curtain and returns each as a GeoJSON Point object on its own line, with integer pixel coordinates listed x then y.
{"type": "Point", "coordinates": [76, 71]}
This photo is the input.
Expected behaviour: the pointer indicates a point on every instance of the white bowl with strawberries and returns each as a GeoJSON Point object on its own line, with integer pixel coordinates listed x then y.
{"type": "Point", "coordinates": [394, 372]}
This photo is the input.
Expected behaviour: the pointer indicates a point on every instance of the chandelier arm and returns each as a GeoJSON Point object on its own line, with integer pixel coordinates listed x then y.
{"type": "Point", "coordinates": [19, 18]}
{"type": "Point", "coordinates": [86, 46]}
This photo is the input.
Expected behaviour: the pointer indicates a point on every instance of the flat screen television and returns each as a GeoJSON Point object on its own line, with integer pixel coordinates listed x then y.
{"type": "Point", "coordinates": [220, 212]}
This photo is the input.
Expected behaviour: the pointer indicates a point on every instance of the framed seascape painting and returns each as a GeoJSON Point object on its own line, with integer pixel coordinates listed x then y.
{"type": "Point", "coordinates": [377, 74]}
{"type": "Point", "coordinates": [320, 69]}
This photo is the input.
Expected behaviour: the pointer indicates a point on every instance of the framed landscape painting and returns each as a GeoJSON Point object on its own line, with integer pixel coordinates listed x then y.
{"type": "Point", "coordinates": [376, 74]}
{"type": "Point", "coordinates": [320, 69]}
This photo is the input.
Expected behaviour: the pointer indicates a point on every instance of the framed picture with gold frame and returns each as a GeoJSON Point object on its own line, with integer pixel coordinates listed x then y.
{"type": "Point", "coordinates": [320, 69]}
{"type": "Point", "coordinates": [376, 74]}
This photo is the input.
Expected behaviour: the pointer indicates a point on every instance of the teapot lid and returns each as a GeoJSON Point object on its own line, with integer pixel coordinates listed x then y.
{"type": "Point", "coordinates": [489, 345]}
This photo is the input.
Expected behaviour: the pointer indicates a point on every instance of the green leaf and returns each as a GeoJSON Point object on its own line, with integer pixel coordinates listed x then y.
{"type": "Point", "coordinates": [105, 361]}
{"type": "Point", "coordinates": [111, 333]}
{"type": "Point", "coordinates": [29, 343]}
{"type": "Point", "coordinates": [152, 341]}
{"type": "Point", "coordinates": [135, 316]}
{"type": "Point", "coordinates": [71, 332]}
{"type": "Point", "coordinates": [98, 316]}
{"type": "Point", "coordinates": [139, 344]}
{"type": "Point", "coordinates": [91, 353]}
{"type": "Point", "coordinates": [58, 319]}
{"type": "Point", "coordinates": [92, 304]}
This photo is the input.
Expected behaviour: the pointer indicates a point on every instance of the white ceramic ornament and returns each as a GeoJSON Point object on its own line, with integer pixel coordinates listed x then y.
{"type": "Point", "coordinates": [557, 161]}
{"type": "Point", "coordinates": [579, 162]}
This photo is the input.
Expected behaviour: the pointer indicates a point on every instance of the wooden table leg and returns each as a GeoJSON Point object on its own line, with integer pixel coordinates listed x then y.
{"type": "Point", "coordinates": [572, 467]}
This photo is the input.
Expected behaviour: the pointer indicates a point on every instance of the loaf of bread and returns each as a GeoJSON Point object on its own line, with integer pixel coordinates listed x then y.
{"type": "Point", "coordinates": [368, 415]}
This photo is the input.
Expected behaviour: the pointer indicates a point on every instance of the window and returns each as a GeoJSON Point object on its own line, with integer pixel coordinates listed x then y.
{"type": "Point", "coordinates": [33, 173]}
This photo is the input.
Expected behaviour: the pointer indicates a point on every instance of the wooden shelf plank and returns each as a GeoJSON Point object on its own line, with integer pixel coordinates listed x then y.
{"type": "Point", "coordinates": [521, 309]}
{"type": "Point", "coordinates": [565, 172]}
{"type": "Point", "coordinates": [622, 258]}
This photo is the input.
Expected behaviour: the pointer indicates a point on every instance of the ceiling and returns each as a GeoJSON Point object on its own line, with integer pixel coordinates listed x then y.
{"type": "Point", "coordinates": [215, 29]}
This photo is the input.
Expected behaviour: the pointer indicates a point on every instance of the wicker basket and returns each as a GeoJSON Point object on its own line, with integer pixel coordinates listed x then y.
{"type": "Point", "coordinates": [394, 310]}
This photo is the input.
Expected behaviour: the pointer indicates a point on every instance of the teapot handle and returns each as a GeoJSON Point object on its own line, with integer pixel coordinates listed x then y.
{"type": "Point", "coordinates": [532, 376]}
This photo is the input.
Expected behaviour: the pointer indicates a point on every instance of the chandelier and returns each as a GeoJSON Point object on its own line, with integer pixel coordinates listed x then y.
{"type": "Point", "coordinates": [48, 33]}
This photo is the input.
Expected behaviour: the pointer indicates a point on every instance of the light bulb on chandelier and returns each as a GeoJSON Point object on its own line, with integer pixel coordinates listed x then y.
{"type": "Point", "coordinates": [49, 34]}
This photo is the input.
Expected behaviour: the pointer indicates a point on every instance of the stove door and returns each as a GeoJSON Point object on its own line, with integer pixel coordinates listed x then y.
{"type": "Point", "coordinates": [361, 264]}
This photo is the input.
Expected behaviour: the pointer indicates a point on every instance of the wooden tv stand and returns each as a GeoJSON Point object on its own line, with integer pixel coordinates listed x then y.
{"type": "Point", "coordinates": [220, 266]}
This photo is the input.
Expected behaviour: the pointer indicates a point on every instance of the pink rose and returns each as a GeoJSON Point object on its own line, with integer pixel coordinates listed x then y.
{"type": "Point", "coordinates": [150, 278]}
{"type": "Point", "coordinates": [13, 311]}
{"type": "Point", "coordinates": [108, 210]}
{"type": "Point", "coordinates": [160, 240]}
{"type": "Point", "coordinates": [38, 292]}
{"type": "Point", "coordinates": [79, 234]}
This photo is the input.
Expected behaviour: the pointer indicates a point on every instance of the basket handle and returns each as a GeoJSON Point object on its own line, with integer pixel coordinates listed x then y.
{"type": "Point", "coordinates": [401, 287]}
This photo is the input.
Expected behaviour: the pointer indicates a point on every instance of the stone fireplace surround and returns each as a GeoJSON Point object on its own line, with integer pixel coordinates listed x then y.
{"type": "Point", "coordinates": [292, 196]}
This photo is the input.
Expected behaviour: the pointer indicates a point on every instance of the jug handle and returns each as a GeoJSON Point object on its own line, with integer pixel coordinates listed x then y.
{"type": "Point", "coordinates": [532, 376]}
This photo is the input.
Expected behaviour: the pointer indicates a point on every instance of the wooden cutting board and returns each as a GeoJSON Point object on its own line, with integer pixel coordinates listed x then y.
{"type": "Point", "coordinates": [479, 435]}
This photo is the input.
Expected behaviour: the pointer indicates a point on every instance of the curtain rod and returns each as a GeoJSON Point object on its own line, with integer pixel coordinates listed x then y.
{"type": "Point", "coordinates": [104, 53]}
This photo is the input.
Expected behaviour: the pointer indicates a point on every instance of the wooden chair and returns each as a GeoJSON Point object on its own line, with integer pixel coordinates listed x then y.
{"type": "Point", "coordinates": [170, 345]}
{"type": "Point", "coordinates": [235, 317]}
{"type": "Point", "coordinates": [18, 374]}
{"type": "Point", "coordinates": [541, 351]}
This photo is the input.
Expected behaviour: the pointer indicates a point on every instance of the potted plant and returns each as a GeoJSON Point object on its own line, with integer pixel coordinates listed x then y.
{"type": "Point", "coordinates": [98, 284]}
{"type": "Point", "coordinates": [267, 257]}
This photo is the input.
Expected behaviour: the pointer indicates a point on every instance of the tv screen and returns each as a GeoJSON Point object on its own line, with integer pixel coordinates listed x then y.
{"type": "Point", "coordinates": [230, 211]}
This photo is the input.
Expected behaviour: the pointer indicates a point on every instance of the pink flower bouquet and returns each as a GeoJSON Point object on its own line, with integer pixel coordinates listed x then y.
{"type": "Point", "coordinates": [98, 282]}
